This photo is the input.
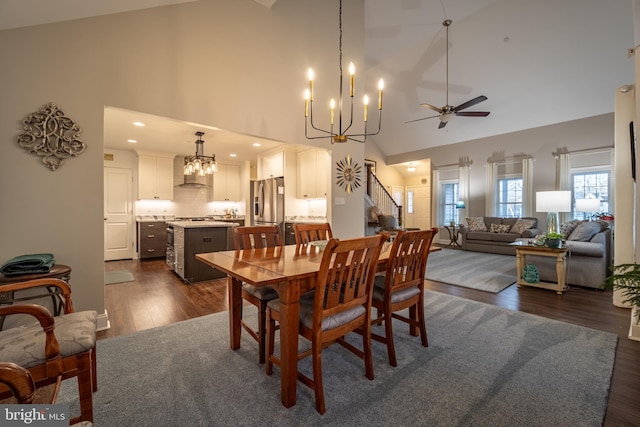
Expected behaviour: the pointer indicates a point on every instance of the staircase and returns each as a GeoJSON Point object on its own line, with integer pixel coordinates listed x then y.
{"type": "Point", "coordinates": [380, 197]}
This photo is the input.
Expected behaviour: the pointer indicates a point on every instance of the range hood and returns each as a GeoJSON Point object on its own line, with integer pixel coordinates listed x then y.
{"type": "Point", "coordinates": [195, 181]}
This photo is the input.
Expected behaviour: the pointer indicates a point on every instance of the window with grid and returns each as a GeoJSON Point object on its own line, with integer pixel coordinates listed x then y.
{"type": "Point", "coordinates": [590, 184]}
{"type": "Point", "coordinates": [509, 197]}
{"type": "Point", "coordinates": [448, 203]}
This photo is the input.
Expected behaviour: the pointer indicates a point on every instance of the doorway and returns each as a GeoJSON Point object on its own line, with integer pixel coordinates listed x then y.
{"type": "Point", "coordinates": [417, 212]}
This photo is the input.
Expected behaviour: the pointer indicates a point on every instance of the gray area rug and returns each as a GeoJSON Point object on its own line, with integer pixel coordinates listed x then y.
{"type": "Point", "coordinates": [485, 366]}
{"type": "Point", "coordinates": [475, 270]}
{"type": "Point", "coordinates": [121, 276]}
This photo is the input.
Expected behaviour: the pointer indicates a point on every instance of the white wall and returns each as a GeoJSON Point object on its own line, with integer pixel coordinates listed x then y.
{"type": "Point", "coordinates": [233, 64]}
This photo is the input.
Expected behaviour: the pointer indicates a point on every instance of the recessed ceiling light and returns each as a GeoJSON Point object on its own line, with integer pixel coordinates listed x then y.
{"type": "Point", "coordinates": [138, 124]}
{"type": "Point", "coordinates": [133, 141]}
{"type": "Point", "coordinates": [233, 155]}
{"type": "Point", "coordinates": [256, 144]}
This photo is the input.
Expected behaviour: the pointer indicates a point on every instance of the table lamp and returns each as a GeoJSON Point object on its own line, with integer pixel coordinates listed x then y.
{"type": "Point", "coordinates": [459, 205]}
{"type": "Point", "coordinates": [553, 202]}
{"type": "Point", "coordinates": [589, 206]}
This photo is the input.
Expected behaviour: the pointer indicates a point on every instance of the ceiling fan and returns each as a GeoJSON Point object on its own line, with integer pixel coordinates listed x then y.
{"type": "Point", "coordinates": [445, 113]}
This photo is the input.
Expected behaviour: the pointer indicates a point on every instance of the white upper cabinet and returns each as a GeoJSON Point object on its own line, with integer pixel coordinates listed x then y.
{"type": "Point", "coordinates": [155, 177]}
{"type": "Point", "coordinates": [226, 183]}
{"type": "Point", "coordinates": [272, 165]}
{"type": "Point", "coordinates": [313, 169]}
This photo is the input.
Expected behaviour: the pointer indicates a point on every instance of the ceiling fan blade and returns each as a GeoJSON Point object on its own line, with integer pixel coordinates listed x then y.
{"type": "Point", "coordinates": [424, 118]}
{"type": "Point", "coordinates": [470, 103]}
{"type": "Point", "coordinates": [431, 107]}
{"type": "Point", "coordinates": [473, 113]}
{"type": "Point", "coordinates": [442, 124]}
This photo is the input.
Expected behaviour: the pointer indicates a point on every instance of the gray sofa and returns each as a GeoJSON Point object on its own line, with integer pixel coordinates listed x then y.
{"type": "Point", "coordinates": [588, 262]}
{"type": "Point", "coordinates": [478, 235]}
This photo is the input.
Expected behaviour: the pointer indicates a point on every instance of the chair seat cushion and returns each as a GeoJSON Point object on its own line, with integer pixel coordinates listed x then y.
{"type": "Point", "coordinates": [331, 322]}
{"type": "Point", "coordinates": [264, 293]}
{"type": "Point", "coordinates": [24, 345]}
{"type": "Point", "coordinates": [398, 296]}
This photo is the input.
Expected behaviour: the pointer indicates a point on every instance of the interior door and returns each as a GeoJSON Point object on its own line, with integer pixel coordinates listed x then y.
{"type": "Point", "coordinates": [118, 214]}
{"type": "Point", "coordinates": [416, 207]}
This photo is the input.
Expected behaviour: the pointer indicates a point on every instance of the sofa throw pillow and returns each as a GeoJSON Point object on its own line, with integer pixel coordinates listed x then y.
{"type": "Point", "coordinates": [388, 222]}
{"type": "Point", "coordinates": [476, 223]}
{"type": "Point", "coordinates": [567, 228]}
{"type": "Point", "coordinates": [521, 225]}
{"type": "Point", "coordinates": [586, 230]}
{"type": "Point", "coordinates": [500, 228]}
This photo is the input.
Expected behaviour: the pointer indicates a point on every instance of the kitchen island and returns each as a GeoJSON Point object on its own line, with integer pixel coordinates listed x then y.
{"type": "Point", "coordinates": [194, 237]}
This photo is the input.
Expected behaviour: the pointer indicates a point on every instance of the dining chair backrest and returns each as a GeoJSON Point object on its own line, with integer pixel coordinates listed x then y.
{"type": "Point", "coordinates": [306, 233]}
{"type": "Point", "coordinates": [408, 259]}
{"type": "Point", "coordinates": [345, 277]}
{"type": "Point", "coordinates": [257, 237]}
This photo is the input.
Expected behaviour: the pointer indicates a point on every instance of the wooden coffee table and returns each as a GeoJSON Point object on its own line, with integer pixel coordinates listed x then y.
{"type": "Point", "coordinates": [524, 248]}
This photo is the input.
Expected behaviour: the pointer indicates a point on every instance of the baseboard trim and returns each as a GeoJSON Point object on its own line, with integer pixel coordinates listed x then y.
{"type": "Point", "coordinates": [102, 321]}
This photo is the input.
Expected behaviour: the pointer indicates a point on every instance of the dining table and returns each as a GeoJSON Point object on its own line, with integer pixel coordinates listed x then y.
{"type": "Point", "coordinates": [291, 270]}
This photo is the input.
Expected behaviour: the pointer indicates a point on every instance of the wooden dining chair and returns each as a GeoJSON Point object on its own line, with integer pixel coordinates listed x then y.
{"type": "Point", "coordinates": [305, 233]}
{"type": "Point", "coordinates": [53, 348]}
{"type": "Point", "coordinates": [20, 381]}
{"type": "Point", "coordinates": [340, 304]}
{"type": "Point", "coordinates": [402, 286]}
{"type": "Point", "coordinates": [257, 237]}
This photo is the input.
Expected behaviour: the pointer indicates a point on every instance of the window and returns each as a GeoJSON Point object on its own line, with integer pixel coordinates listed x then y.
{"type": "Point", "coordinates": [590, 184]}
{"type": "Point", "coordinates": [509, 200]}
{"type": "Point", "coordinates": [448, 205]}
{"type": "Point", "coordinates": [410, 201]}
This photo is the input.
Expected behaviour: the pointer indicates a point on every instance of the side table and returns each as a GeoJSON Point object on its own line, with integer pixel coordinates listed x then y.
{"type": "Point", "coordinates": [454, 234]}
{"type": "Point", "coordinates": [524, 248]}
{"type": "Point", "coordinates": [58, 271]}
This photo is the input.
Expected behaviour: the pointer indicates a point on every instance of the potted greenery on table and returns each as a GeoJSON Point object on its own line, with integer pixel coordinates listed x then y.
{"type": "Point", "coordinates": [553, 240]}
{"type": "Point", "coordinates": [626, 278]}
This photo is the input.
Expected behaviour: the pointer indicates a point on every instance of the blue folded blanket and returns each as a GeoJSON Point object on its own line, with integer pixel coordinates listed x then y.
{"type": "Point", "coordinates": [28, 264]}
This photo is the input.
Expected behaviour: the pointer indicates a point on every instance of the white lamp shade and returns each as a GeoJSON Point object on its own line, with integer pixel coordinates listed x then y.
{"type": "Point", "coordinates": [553, 201]}
{"type": "Point", "coordinates": [587, 205]}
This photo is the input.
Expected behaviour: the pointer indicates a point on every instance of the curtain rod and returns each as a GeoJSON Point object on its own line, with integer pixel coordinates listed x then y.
{"type": "Point", "coordinates": [584, 150]}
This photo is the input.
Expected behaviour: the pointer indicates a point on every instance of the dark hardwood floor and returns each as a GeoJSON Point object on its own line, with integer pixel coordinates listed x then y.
{"type": "Point", "coordinates": [158, 297]}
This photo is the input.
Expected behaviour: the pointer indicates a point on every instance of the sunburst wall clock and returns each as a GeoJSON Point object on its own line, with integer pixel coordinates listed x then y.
{"type": "Point", "coordinates": [348, 173]}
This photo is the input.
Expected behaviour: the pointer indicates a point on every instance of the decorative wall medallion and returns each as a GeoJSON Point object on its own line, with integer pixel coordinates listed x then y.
{"type": "Point", "coordinates": [348, 174]}
{"type": "Point", "coordinates": [52, 136]}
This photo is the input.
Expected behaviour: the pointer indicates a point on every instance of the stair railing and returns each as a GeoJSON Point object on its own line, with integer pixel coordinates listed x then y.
{"type": "Point", "coordinates": [380, 196]}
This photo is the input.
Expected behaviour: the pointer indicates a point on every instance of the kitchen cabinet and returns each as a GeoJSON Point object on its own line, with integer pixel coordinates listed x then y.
{"type": "Point", "coordinates": [313, 167]}
{"type": "Point", "coordinates": [191, 241]}
{"type": "Point", "coordinates": [155, 177]}
{"type": "Point", "coordinates": [289, 234]}
{"type": "Point", "coordinates": [272, 165]}
{"type": "Point", "coordinates": [152, 239]}
{"type": "Point", "coordinates": [226, 183]}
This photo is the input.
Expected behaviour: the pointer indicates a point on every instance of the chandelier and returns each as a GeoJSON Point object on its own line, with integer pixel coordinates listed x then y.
{"type": "Point", "coordinates": [340, 133]}
{"type": "Point", "coordinates": [199, 164]}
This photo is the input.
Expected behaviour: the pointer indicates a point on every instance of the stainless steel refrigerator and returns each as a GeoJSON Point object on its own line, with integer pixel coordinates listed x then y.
{"type": "Point", "coordinates": [267, 198]}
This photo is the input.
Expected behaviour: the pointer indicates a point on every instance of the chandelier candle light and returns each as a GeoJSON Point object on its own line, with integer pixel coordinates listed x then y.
{"type": "Point", "coordinates": [341, 134]}
{"type": "Point", "coordinates": [200, 164]}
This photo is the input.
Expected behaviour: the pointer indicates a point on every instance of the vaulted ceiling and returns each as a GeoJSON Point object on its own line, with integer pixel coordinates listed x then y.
{"type": "Point", "coordinates": [538, 62]}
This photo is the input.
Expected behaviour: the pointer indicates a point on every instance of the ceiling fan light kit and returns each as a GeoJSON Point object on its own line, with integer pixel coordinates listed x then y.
{"type": "Point", "coordinates": [446, 113]}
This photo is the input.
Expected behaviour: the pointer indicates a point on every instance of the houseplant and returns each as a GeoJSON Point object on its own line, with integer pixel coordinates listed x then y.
{"type": "Point", "coordinates": [626, 278]}
{"type": "Point", "coordinates": [553, 240]}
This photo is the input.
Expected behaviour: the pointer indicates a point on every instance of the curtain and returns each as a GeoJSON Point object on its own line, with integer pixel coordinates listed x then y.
{"type": "Point", "coordinates": [435, 200]}
{"type": "Point", "coordinates": [527, 187]}
{"type": "Point", "coordinates": [563, 179]}
{"type": "Point", "coordinates": [464, 182]}
{"type": "Point", "coordinates": [491, 173]}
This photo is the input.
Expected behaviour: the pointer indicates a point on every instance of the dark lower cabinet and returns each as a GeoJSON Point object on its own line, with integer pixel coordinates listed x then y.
{"type": "Point", "coordinates": [198, 240]}
{"type": "Point", "coordinates": [289, 235]}
{"type": "Point", "coordinates": [152, 239]}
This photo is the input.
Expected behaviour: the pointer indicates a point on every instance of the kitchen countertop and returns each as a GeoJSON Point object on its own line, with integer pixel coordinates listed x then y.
{"type": "Point", "coordinates": [200, 224]}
